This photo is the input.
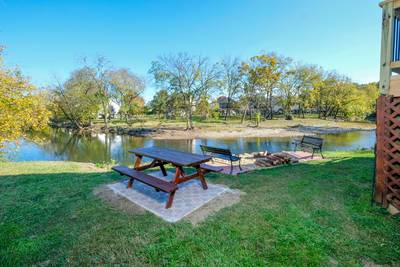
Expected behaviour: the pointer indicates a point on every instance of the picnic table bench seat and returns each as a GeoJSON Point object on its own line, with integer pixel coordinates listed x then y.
{"type": "Point", "coordinates": [158, 184]}
{"type": "Point", "coordinates": [210, 168]}
{"type": "Point", "coordinates": [311, 142]}
{"type": "Point", "coordinates": [145, 178]}
{"type": "Point", "coordinates": [221, 153]}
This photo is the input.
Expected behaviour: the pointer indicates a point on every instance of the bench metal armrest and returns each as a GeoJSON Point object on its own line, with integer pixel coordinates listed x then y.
{"type": "Point", "coordinates": [235, 156]}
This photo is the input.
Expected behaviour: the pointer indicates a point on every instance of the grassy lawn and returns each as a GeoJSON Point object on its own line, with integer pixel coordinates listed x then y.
{"type": "Point", "coordinates": [314, 214]}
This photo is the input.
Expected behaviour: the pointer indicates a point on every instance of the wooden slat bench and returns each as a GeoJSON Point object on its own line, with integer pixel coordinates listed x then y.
{"type": "Point", "coordinates": [158, 184]}
{"type": "Point", "coordinates": [311, 142]}
{"type": "Point", "coordinates": [221, 153]}
{"type": "Point", "coordinates": [208, 168]}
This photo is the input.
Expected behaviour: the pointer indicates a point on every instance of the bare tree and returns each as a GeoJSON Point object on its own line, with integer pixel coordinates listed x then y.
{"type": "Point", "coordinates": [231, 81]}
{"type": "Point", "coordinates": [98, 72]}
{"type": "Point", "coordinates": [189, 76]}
{"type": "Point", "coordinates": [126, 89]}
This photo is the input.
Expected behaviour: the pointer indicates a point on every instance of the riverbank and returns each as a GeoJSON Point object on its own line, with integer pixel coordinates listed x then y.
{"type": "Point", "coordinates": [230, 129]}
{"type": "Point", "coordinates": [311, 214]}
{"type": "Point", "coordinates": [239, 131]}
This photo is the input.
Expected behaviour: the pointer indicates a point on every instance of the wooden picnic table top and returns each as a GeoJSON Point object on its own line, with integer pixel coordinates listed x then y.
{"type": "Point", "coordinates": [176, 157]}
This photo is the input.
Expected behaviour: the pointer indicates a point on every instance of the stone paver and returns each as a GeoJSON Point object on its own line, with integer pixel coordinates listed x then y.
{"type": "Point", "coordinates": [189, 197]}
{"type": "Point", "coordinates": [248, 162]}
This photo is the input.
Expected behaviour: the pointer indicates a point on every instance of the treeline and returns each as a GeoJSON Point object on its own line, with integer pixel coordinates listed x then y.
{"type": "Point", "coordinates": [257, 88]}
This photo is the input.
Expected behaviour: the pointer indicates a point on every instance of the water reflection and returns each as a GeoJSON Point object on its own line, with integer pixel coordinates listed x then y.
{"type": "Point", "coordinates": [64, 145]}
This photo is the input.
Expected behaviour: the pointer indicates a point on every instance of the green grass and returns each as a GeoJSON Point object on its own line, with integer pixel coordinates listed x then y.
{"type": "Point", "coordinates": [303, 215]}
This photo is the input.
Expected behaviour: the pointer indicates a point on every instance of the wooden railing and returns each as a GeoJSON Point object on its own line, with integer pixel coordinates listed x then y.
{"type": "Point", "coordinates": [396, 37]}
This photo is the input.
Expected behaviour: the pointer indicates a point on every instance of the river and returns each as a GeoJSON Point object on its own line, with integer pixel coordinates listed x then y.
{"type": "Point", "coordinates": [99, 148]}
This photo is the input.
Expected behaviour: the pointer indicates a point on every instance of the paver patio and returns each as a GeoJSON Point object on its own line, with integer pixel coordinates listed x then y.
{"type": "Point", "coordinates": [189, 197]}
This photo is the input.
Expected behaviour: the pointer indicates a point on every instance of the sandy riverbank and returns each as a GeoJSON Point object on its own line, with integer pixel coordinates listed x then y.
{"type": "Point", "coordinates": [273, 128]}
{"type": "Point", "coordinates": [243, 131]}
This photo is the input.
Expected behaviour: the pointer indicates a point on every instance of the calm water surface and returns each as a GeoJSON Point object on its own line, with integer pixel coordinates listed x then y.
{"type": "Point", "coordinates": [63, 145]}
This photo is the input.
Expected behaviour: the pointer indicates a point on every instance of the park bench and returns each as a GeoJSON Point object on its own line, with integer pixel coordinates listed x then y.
{"type": "Point", "coordinates": [221, 153]}
{"type": "Point", "coordinates": [209, 168]}
{"type": "Point", "coordinates": [310, 142]}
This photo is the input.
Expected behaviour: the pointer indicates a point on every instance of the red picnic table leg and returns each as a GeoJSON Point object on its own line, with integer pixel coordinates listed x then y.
{"type": "Point", "coordinates": [202, 179]}
{"type": "Point", "coordinates": [178, 174]}
{"type": "Point", "coordinates": [181, 177]}
{"type": "Point", "coordinates": [138, 161]}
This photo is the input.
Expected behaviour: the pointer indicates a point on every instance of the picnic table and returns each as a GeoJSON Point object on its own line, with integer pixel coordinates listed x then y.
{"type": "Point", "coordinates": [161, 157]}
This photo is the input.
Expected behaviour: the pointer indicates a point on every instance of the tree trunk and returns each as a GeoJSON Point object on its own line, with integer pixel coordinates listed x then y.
{"type": "Point", "coordinates": [189, 119]}
{"type": "Point", "coordinates": [226, 114]}
{"type": "Point", "coordinates": [244, 114]}
{"type": "Point", "coordinates": [72, 119]}
{"type": "Point", "coordinates": [271, 111]}
{"type": "Point", "coordinates": [227, 110]}
{"type": "Point", "coordinates": [105, 113]}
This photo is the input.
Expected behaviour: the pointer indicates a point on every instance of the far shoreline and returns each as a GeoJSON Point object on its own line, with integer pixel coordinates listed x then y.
{"type": "Point", "coordinates": [223, 130]}
{"type": "Point", "coordinates": [259, 132]}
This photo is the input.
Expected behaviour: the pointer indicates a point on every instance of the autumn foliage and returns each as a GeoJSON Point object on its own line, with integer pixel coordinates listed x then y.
{"type": "Point", "coordinates": [22, 107]}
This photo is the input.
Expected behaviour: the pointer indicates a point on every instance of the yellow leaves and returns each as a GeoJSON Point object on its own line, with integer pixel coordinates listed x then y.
{"type": "Point", "coordinates": [263, 70]}
{"type": "Point", "coordinates": [22, 108]}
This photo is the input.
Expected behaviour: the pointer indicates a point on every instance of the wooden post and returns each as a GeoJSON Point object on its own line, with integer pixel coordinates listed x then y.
{"type": "Point", "coordinates": [380, 132]}
{"type": "Point", "coordinates": [386, 46]}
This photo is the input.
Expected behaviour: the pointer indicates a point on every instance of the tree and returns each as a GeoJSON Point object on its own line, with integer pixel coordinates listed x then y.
{"type": "Point", "coordinates": [159, 104]}
{"type": "Point", "coordinates": [231, 81]}
{"type": "Point", "coordinates": [295, 85]}
{"type": "Point", "coordinates": [287, 92]}
{"type": "Point", "coordinates": [91, 89]}
{"type": "Point", "coordinates": [22, 106]}
{"type": "Point", "coordinates": [203, 107]}
{"type": "Point", "coordinates": [246, 98]}
{"type": "Point", "coordinates": [262, 76]}
{"type": "Point", "coordinates": [371, 93]}
{"type": "Point", "coordinates": [99, 72]}
{"type": "Point", "coordinates": [333, 95]}
{"type": "Point", "coordinates": [305, 78]}
{"type": "Point", "coordinates": [76, 100]}
{"type": "Point", "coordinates": [125, 88]}
{"type": "Point", "coordinates": [135, 108]}
{"type": "Point", "coordinates": [176, 106]}
{"type": "Point", "coordinates": [365, 101]}
{"type": "Point", "coordinates": [190, 77]}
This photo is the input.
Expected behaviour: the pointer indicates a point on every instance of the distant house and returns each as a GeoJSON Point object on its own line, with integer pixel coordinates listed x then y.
{"type": "Point", "coordinates": [277, 107]}
{"type": "Point", "coordinates": [113, 110]}
{"type": "Point", "coordinates": [224, 103]}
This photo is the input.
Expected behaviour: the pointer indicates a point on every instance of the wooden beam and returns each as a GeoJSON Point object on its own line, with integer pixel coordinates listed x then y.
{"type": "Point", "coordinates": [386, 47]}
{"type": "Point", "coordinates": [396, 3]}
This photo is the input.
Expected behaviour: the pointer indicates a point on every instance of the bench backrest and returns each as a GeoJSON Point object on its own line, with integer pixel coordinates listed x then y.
{"type": "Point", "coordinates": [312, 140]}
{"type": "Point", "coordinates": [215, 150]}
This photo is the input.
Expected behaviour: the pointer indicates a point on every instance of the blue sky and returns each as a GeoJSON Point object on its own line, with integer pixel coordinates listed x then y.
{"type": "Point", "coordinates": [47, 39]}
